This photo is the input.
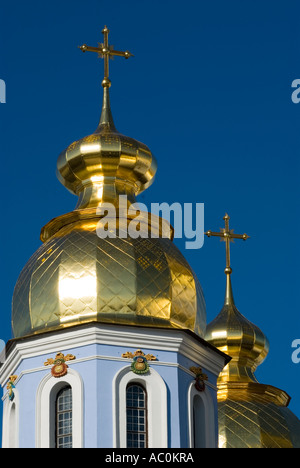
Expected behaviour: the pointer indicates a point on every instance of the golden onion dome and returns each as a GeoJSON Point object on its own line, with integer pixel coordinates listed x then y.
{"type": "Point", "coordinates": [78, 276]}
{"type": "Point", "coordinates": [250, 414]}
{"type": "Point", "coordinates": [100, 167]}
{"type": "Point", "coordinates": [256, 416]}
{"type": "Point", "coordinates": [236, 336]}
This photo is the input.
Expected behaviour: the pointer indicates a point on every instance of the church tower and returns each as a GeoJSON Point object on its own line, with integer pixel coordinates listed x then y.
{"type": "Point", "coordinates": [251, 414]}
{"type": "Point", "coordinates": [108, 347]}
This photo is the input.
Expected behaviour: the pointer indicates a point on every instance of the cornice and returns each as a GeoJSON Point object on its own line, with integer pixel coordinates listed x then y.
{"type": "Point", "coordinates": [176, 341]}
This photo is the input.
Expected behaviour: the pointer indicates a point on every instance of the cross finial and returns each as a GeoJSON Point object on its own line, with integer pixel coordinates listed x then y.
{"type": "Point", "coordinates": [227, 236]}
{"type": "Point", "coordinates": [106, 51]}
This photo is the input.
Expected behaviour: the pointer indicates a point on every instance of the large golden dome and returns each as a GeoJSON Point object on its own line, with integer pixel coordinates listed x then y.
{"type": "Point", "coordinates": [76, 276]}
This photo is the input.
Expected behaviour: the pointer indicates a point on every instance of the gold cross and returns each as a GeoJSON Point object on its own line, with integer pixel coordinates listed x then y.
{"type": "Point", "coordinates": [106, 51]}
{"type": "Point", "coordinates": [227, 236]}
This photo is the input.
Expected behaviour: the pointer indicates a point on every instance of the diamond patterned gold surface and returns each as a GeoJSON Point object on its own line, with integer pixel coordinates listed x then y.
{"type": "Point", "coordinates": [245, 423]}
{"type": "Point", "coordinates": [250, 414]}
{"type": "Point", "coordinates": [77, 277]}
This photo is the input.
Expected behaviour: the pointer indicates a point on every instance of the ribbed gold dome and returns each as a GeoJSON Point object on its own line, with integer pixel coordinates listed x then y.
{"type": "Point", "coordinates": [236, 336]}
{"type": "Point", "coordinates": [256, 416]}
{"type": "Point", "coordinates": [100, 167]}
{"type": "Point", "coordinates": [76, 276]}
{"type": "Point", "coordinates": [250, 414]}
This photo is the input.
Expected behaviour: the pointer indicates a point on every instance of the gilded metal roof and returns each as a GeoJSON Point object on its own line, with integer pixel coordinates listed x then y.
{"type": "Point", "coordinates": [250, 414]}
{"type": "Point", "coordinates": [248, 421]}
{"type": "Point", "coordinates": [77, 277]}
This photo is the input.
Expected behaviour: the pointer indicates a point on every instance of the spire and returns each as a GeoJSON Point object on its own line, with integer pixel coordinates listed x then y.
{"type": "Point", "coordinates": [230, 331]}
{"type": "Point", "coordinates": [106, 119]}
{"type": "Point", "coordinates": [107, 52]}
{"type": "Point", "coordinates": [228, 293]}
{"type": "Point", "coordinates": [227, 236]}
{"type": "Point", "coordinates": [100, 167]}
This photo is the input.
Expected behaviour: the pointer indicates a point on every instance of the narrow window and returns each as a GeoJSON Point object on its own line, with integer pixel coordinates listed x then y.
{"type": "Point", "coordinates": [198, 423]}
{"type": "Point", "coordinates": [12, 427]}
{"type": "Point", "coordinates": [64, 418]}
{"type": "Point", "coordinates": [136, 414]}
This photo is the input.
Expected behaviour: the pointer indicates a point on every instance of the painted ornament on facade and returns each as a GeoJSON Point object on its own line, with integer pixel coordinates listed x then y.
{"type": "Point", "coordinates": [199, 378]}
{"type": "Point", "coordinates": [59, 366]}
{"type": "Point", "coordinates": [10, 386]}
{"type": "Point", "coordinates": [140, 360]}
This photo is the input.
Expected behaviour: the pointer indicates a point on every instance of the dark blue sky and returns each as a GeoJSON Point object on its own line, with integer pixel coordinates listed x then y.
{"type": "Point", "coordinates": [209, 91]}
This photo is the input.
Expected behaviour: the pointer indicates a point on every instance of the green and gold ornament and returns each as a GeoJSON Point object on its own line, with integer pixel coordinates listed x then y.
{"type": "Point", "coordinates": [59, 366]}
{"type": "Point", "coordinates": [140, 360]}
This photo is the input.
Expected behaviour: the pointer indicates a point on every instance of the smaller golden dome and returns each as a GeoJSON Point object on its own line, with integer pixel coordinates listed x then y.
{"type": "Point", "coordinates": [100, 167]}
{"type": "Point", "coordinates": [250, 414]}
{"type": "Point", "coordinates": [236, 336]}
{"type": "Point", "coordinates": [256, 416]}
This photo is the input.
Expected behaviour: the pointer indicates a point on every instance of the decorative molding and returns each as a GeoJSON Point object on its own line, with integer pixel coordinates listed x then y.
{"type": "Point", "coordinates": [200, 378]}
{"type": "Point", "coordinates": [59, 367]}
{"type": "Point", "coordinates": [126, 337]}
{"type": "Point", "coordinates": [111, 358]}
{"type": "Point", "coordinates": [140, 360]}
{"type": "Point", "coordinates": [10, 386]}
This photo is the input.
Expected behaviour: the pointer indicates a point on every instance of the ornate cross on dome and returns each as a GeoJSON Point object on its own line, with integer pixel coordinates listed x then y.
{"type": "Point", "coordinates": [227, 236]}
{"type": "Point", "coordinates": [106, 51]}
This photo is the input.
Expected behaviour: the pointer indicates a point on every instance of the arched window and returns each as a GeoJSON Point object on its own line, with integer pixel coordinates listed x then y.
{"type": "Point", "coordinates": [57, 412]}
{"type": "Point", "coordinates": [155, 407]}
{"type": "Point", "coordinates": [198, 423]}
{"type": "Point", "coordinates": [136, 416]}
{"type": "Point", "coordinates": [12, 428]}
{"type": "Point", "coordinates": [63, 418]}
{"type": "Point", "coordinates": [202, 417]}
{"type": "Point", "coordinates": [10, 434]}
